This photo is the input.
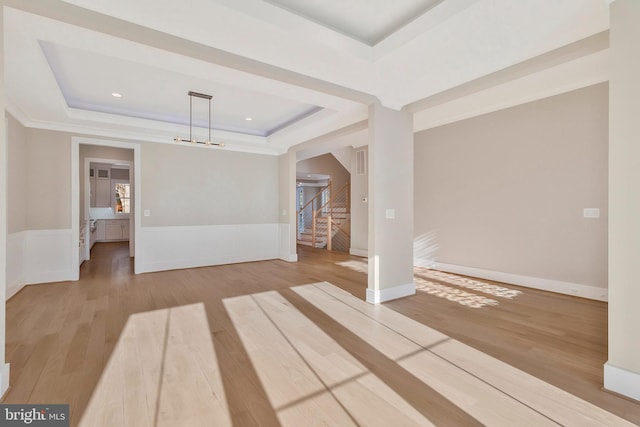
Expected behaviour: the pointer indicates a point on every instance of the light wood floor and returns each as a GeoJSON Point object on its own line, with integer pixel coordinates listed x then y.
{"type": "Point", "coordinates": [269, 343]}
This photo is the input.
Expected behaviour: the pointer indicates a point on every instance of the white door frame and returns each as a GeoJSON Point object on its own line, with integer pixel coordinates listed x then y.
{"type": "Point", "coordinates": [75, 194]}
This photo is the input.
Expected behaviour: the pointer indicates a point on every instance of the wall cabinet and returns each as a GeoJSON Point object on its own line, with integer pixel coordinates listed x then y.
{"type": "Point", "coordinates": [100, 187]}
{"type": "Point", "coordinates": [92, 192]}
{"type": "Point", "coordinates": [103, 193]}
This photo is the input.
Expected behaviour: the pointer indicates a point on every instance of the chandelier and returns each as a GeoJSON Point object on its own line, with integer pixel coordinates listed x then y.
{"type": "Point", "coordinates": [191, 139]}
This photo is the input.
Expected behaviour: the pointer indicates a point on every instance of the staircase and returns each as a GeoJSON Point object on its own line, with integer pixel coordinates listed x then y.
{"type": "Point", "coordinates": [327, 225]}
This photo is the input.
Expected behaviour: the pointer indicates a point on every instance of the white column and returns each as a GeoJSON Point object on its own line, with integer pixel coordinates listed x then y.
{"type": "Point", "coordinates": [4, 368]}
{"type": "Point", "coordinates": [622, 370]}
{"type": "Point", "coordinates": [287, 207]}
{"type": "Point", "coordinates": [390, 246]}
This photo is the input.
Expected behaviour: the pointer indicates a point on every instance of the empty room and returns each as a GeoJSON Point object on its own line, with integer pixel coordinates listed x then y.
{"type": "Point", "coordinates": [288, 212]}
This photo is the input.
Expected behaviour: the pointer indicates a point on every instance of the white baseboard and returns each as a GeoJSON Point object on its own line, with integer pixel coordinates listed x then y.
{"type": "Point", "coordinates": [286, 251]}
{"type": "Point", "coordinates": [177, 247]}
{"type": "Point", "coordinates": [622, 381]}
{"type": "Point", "coordinates": [376, 296]}
{"type": "Point", "coordinates": [567, 288]}
{"type": "Point", "coordinates": [359, 252]}
{"type": "Point", "coordinates": [4, 378]}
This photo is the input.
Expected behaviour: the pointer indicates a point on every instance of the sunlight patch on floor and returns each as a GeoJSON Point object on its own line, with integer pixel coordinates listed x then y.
{"type": "Point", "coordinates": [434, 282]}
{"type": "Point", "coordinates": [308, 376]}
{"type": "Point", "coordinates": [467, 282]}
{"type": "Point", "coordinates": [163, 372]}
{"type": "Point", "coordinates": [452, 294]}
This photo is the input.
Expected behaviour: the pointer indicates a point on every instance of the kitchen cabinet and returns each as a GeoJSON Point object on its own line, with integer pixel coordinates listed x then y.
{"type": "Point", "coordinates": [101, 230]}
{"type": "Point", "coordinates": [92, 188]}
{"type": "Point", "coordinates": [117, 229]}
{"type": "Point", "coordinates": [103, 193]}
{"type": "Point", "coordinates": [100, 187]}
{"type": "Point", "coordinates": [92, 192]}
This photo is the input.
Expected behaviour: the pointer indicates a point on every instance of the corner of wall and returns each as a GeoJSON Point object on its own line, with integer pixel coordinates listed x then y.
{"type": "Point", "coordinates": [4, 379]}
{"type": "Point", "coordinates": [622, 381]}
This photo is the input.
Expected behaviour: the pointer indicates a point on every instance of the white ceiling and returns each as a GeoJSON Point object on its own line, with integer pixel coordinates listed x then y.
{"type": "Point", "coordinates": [300, 69]}
{"type": "Point", "coordinates": [368, 21]}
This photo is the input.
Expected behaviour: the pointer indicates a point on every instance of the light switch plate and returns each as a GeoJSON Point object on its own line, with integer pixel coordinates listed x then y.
{"type": "Point", "coordinates": [147, 212]}
{"type": "Point", "coordinates": [591, 212]}
{"type": "Point", "coordinates": [390, 214]}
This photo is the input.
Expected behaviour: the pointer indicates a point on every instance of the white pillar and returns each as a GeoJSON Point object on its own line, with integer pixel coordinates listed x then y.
{"type": "Point", "coordinates": [4, 368]}
{"type": "Point", "coordinates": [390, 246]}
{"type": "Point", "coordinates": [287, 207]}
{"type": "Point", "coordinates": [622, 370]}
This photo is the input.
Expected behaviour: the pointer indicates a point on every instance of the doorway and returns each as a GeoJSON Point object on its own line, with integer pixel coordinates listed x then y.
{"type": "Point", "coordinates": [105, 195]}
{"type": "Point", "coordinates": [107, 200]}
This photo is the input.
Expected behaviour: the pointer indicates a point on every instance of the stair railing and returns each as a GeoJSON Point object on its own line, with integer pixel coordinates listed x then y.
{"type": "Point", "coordinates": [306, 216]}
{"type": "Point", "coordinates": [328, 210]}
{"type": "Point", "coordinates": [343, 237]}
{"type": "Point", "coordinates": [341, 197]}
{"type": "Point", "coordinates": [335, 203]}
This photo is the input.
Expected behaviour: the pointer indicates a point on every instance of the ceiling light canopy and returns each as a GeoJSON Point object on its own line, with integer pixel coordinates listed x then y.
{"type": "Point", "coordinates": [191, 139]}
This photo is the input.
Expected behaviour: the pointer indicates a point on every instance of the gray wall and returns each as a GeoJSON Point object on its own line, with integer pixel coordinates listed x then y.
{"type": "Point", "coordinates": [326, 165]}
{"type": "Point", "coordinates": [48, 180]}
{"type": "Point", "coordinates": [505, 191]}
{"type": "Point", "coordinates": [202, 186]}
{"type": "Point", "coordinates": [17, 175]}
{"type": "Point", "coordinates": [180, 185]}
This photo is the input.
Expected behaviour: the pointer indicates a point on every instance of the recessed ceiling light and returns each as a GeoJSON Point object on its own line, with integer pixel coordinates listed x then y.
{"type": "Point", "coordinates": [248, 119]}
{"type": "Point", "coordinates": [116, 95]}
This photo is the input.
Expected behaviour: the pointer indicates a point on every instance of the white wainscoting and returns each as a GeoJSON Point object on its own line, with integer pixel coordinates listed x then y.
{"type": "Point", "coordinates": [359, 252]}
{"type": "Point", "coordinates": [5, 370]}
{"type": "Point", "coordinates": [47, 256]}
{"type": "Point", "coordinates": [170, 248]}
{"type": "Point", "coordinates": [15, 263]}
{"type": "Point", "coordinates": [38, 256]}
{"type": "Point", "coordinates": [567, 288]}
{"type": "Point", "coordinates": [285, 251]}
{"type": "Point", "coordinates": [622, 381]}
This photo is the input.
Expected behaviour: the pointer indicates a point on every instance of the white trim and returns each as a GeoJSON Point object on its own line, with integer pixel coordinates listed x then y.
{"type": "Point", "coordinates": [75, 193]}
{"type": "Point", "coordinates": [376, 296]}
{"type": "Point", "coordinates": [4, 378]}
{"type": "Point", "coordinates": [359, 252]}
{"type": "Point", "coordinates": [567, 288]}
{"type": "Point", "coordinates": [285, 252]}
{"type": "Point", "coordinates": [177, 247]}
{"type": "Point", "coordinates": [47, 257]}
{"type": "Point", "coordinates": [621, 381]}
{"type": "Point", "coordinates": [15, 263]}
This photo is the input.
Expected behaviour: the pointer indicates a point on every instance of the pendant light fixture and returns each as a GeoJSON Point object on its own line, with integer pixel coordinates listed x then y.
{"type": "Point", "coordinates": [191, 139]}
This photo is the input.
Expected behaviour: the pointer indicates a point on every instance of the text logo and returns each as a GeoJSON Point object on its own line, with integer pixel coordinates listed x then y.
{"type": "Point", "coordinates": [34, 415]}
